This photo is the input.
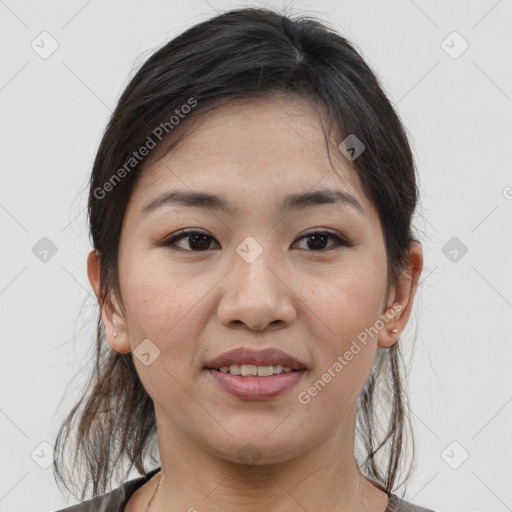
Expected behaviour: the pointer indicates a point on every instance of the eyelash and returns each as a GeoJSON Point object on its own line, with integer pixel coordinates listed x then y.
{"type": "Point", "coordinates": [168, 242]}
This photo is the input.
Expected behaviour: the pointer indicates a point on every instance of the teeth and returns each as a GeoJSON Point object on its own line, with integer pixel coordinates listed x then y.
{"type": "Point", "coordinates": [250, 370]}
{"type": "Point", "coordinates": [265, 371]}
{"type": "Point", "coordinates": [234, 369]}
{"type": "Point", "coordinates": [247, 370]}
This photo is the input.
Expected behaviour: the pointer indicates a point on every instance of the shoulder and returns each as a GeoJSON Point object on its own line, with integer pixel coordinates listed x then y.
{"type": "Point", "coordinates": [395, 504]}
{"type": "Point", "coordinates": [113, 501]}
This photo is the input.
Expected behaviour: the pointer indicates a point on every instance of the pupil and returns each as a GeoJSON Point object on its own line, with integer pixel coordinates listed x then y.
{"type": "Point", "coordinates": [194, 238]}
{"type": "Point", "coordinates": [316, 238]}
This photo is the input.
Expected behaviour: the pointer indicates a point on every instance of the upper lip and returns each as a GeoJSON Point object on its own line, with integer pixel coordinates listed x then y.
{"type": "Point", "coordinates": [265, 357]}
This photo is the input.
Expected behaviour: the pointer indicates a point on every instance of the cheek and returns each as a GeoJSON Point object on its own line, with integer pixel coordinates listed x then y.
{"type": "Point", "coordinates": [347, 300]}
{"type": "Point", "coordinates": [164, 308]}
{"type": "Point", "coordinates": [343, 319]}
{"type": "Point", "coordinates": [156, 299]}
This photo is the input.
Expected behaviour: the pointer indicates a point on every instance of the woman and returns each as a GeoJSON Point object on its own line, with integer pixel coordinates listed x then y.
{"type": "Point", "coordinates": [250, 208]}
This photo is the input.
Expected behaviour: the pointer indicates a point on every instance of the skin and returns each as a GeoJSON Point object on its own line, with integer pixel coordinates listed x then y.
{"type": "Point", "coordinates": [195, 304]}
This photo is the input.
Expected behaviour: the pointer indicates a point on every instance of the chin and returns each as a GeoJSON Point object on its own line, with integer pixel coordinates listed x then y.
{"type": "Point", "coordinates": [258, 448]}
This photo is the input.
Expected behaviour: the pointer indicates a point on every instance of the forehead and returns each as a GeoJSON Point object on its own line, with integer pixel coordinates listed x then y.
{"type": "Point", "coordinates": [252, 149]}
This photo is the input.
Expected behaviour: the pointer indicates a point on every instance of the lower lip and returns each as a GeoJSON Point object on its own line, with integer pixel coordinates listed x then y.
{"type": "Point", "coordinates": [256, 388]}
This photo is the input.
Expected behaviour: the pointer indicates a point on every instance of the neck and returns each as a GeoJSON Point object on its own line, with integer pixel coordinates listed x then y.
{"type": "Point", "coordinates": [325, 477]}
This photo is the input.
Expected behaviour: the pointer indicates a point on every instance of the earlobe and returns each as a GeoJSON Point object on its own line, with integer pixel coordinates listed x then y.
{"type": "Point", "coordinates": [118, 340]}
{"type": "Point", "coordinates": [116, 332]}
{"type": "Point", "coordinates": [404, 293]}
{"type": "Point", "coordinates": [390, 334]}
{"type": "Point", "coordinates": [117, 336]}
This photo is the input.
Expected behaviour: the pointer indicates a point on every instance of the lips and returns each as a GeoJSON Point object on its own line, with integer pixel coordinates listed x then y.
{"type": "Point", "coordinates": [256, 388]}
{"type": "Point", "coordinates": [247, 356]}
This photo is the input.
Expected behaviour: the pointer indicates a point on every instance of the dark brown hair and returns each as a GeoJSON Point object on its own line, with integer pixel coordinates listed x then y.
{"type": "Point", "coordinates": [239, 54]}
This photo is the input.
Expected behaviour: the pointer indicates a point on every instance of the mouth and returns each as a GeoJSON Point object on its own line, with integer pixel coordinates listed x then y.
{"type": "Point", "coordinates": [255, 387]}
{"type": "Point", "coordinates": [250, 362]}
{"type": "Point", "coordinates": [251, 370]}
{"type": "Point", "coordinates": [255, 374]}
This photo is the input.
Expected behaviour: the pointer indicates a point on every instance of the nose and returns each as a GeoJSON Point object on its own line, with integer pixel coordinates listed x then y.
{"type": "Point", "coordinates": [256, 296]}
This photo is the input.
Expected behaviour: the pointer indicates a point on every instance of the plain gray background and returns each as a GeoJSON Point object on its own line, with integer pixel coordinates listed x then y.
{"type": "Point", "coordinates": [456, 105]}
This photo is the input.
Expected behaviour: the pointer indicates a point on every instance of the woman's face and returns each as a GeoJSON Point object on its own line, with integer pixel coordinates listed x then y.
{"type": "Point", "coordinates": [256, 280]}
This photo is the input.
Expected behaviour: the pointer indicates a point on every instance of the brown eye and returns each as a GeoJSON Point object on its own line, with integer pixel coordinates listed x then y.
{"type": "Point", "coordinates": [317, 241]}
{"type": "Point", "coordinates": [197, 241]}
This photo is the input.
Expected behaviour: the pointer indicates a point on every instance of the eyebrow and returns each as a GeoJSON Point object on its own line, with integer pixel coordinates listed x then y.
{"type": "Point", "coordinates": [291, 202]}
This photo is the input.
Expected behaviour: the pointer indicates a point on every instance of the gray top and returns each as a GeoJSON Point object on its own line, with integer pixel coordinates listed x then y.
{"type": "Point", "coordinates": [116, 500]}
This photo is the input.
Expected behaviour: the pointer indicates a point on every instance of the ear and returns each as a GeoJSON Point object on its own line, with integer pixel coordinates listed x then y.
{"type": "Point", "coordinates": [401, 298]}
{"type": "Point", "coordinates": [111, 313]}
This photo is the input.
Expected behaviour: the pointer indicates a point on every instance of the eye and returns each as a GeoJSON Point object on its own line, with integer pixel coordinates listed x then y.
{"type": "Point", "coordinates": [199, 241]}
{"type": "Point", "coordinates": [317, 240]}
